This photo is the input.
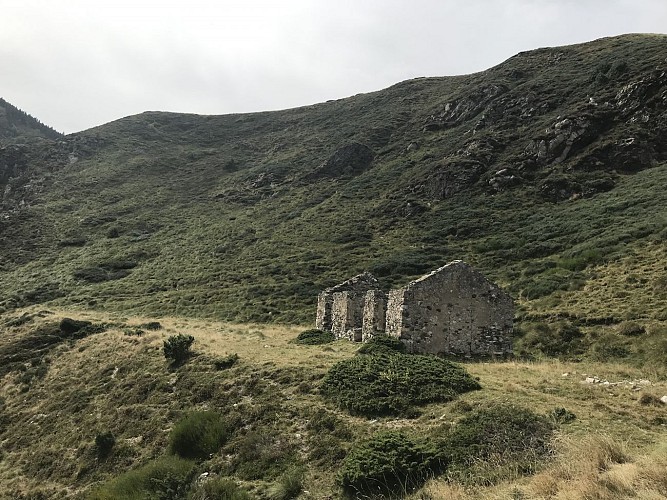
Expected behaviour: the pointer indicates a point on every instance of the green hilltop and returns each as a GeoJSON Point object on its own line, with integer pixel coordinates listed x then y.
{"type": "Point", "coordinates": [538, 171]}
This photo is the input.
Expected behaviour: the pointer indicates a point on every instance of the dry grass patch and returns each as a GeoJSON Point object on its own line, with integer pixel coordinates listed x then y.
{"type": "Point", "coordinates": [593, 467]}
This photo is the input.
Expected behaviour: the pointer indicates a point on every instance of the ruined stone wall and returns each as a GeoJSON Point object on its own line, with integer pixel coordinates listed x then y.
{"type": "Point", "coordinates": [324, 304]}
{"type": "Point", "coordinates": [394, 313]}
{"type": "Point", "coordinates": [375, 306]}
{"type": "Point", "coordinates": [453, 310]}
{"type": "Point", "coordinates": [347, 315]}
{"type": "Point", "coordinates": [340, 309]}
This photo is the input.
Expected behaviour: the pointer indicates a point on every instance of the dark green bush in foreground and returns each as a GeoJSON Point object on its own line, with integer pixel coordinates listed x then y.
{"type": "Point", "coordinates": [393, 384]}
{"type": "Point", "coordinates": [198, 435]}
{"type": "Point", "coordinates": [388, 464]}
{"type": "Point", "coordinates": [314, 337]}
{"type": "Point", "coordinates": [166, 478]}
{"type": "Point", "coordinates": [479, 449]}
{"type": "Point", "coordinates": [505, 433]}
{"type": "Point", "coordinates": [382, 344]}
{"type": "Point", "coordinates": [177, 347]}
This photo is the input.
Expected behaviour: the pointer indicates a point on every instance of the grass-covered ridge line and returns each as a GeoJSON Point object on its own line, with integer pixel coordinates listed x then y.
{"type": "Point", "coordinates": [248, 217]}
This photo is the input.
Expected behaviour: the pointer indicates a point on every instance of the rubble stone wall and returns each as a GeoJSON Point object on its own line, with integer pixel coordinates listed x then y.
{"type": "Point", "coordinates": [453, 310]}
{"type": "Point", "coordinates": [347, 315]}
{"type": "Point", "coordinates": [375, 307]}
{"type": "Point", "coordinates": [324, 304]}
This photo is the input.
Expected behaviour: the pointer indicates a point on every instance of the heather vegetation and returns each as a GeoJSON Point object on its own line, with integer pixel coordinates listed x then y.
{"type": "Point", "coordinates": [150, 267]}
{"type": "Point", "coordinates": [277, 422]}
{"type": "Point", "coordinates": [394, 384]}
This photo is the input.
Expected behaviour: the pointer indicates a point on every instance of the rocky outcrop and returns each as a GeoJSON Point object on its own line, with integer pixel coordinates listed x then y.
{"type": "Point", "coordinates": [449, 179]}
{"type": "Point", "coordinates": [455, 112]}
{"type": "Point", "coordinates": [349, 160]}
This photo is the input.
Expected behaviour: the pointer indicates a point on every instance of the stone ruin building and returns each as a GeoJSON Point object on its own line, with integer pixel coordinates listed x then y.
{"type": "Point", "coordinates": [453, 310]}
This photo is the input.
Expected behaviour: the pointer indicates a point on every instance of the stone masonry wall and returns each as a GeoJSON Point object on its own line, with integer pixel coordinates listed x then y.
{"type": "Point", "coordinates": [347, 315]}
{"type": "Point", "coordinates": [394, 313]}
{"type": "Point", "coordinates": [324, 303]}
{"type": "Point", "coordinates": [453, 310]}
{"type": "Point", "coordinates": [375, 306]}
{"type": "Point", "coordinates": [340, 309]}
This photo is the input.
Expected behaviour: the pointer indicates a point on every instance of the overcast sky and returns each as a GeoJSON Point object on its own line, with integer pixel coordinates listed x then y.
{"type": "Point", "coordinates": [75, 64]}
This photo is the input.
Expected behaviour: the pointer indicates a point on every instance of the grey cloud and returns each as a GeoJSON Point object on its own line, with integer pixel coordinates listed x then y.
{"type": "Point", "coordinates": [78, 64]}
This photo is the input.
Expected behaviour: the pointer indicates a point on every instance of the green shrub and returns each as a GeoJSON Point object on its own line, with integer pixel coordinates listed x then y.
{"type": "Point", "coordinates": [177, 347]}
{"type": "Point", "coordinates": [219, 489]}
{"type": "Point", "coordinates": [166, 478]}
{"type": "Point", "coordinates": [322, 421]}
{"type": "Point", "coordinates": [70, 326]}
{"type": "Point", "coordinates": [557, 340]}
{"type": "Point", "coordinates": [610, 346]}
{"type": "Point", "coordinates": [226, 362]}
{"type": "Point", "coordinates": [382, 344]}
{"type": "Point", "coordinates": [504, 431]}
{"type": "Point", "coordinates": [262, 454]}
{"type": "Point", "coordinates": [582, 260]}
{"type": "Point", "coordinates": [198, 435]}
{"type": "Point", "coordinates": [392, 385]}
{"type": "Point", "coordinates": [104, 443]}
{"type": "Point", "coordinates": [647, 399]}
{"type": "Point", "coordinates": [74, 328]}
{"type": "Point", "coordinates": [388, 464]}
{"type": "Point", "coordinates": [289, 485]}
{"type": "Point", "coordinates": [314, 337]}
{"type": "Point", "coordinates": [562, 415]}
{"type": "Point", "coordinates": [631, 329]}
{"type": "Point", "coordinates": [151, 325]}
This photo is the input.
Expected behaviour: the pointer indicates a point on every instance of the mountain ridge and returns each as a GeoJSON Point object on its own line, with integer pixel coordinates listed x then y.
{"type": "Point", "coordinates": [273, 206]}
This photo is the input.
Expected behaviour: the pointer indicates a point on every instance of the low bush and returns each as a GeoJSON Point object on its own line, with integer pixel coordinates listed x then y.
{"type": "Point", "coordinates": [289, 485]}
{"type": "Point", "coordinates": [393, 384]}
{"type": "Point", "coordinates": [382, 344]}
{"type": "Point", "coordinates": [70, 326]}
{"type": "Point", "coordinates": [151, 325]}
{"type": "Point", "coordinates": [610, 346]}
{"type": "Point", "coordinates": [177, 347]}
{"type": "Point", "coordinates": [198, 435]}
{"type": "Point", "coordinates": [542, 339]}
{"type": "Point", "coordinates": [219, 489]}
{"type": "Point", "coordinates": [79, 328]}
{"type": "Point", "coordinates": [166, 478]}
{"type": "Point", "coordinates": [562, 415]}
{"type": "Point", "coordinates": [630, 329]}
{"type": "Point", "coordinates": [104, 443]}
{"type": "Point", "coordinates": [226, 362]}
{"type": "Point", "coordinates": [314, 337]}
{"type": "Point", "coordinates": [647, 399]}
{"type": "Point", "coordinates": [504, 432]}
{"type": "Point", "coordinates": [262, 454]}
{"type": "Point", "coordinates": [389, 464]}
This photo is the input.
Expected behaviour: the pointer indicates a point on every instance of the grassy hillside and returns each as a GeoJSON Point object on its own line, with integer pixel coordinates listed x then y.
{"type": "Point", "coordinates": [546, 172]}
{"type": "Point", "coordinates": [537, 171]}
{"type": "Point", "coordinates": [609, 438]}
{"type": "Point", "coordinates": [17, 126]}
